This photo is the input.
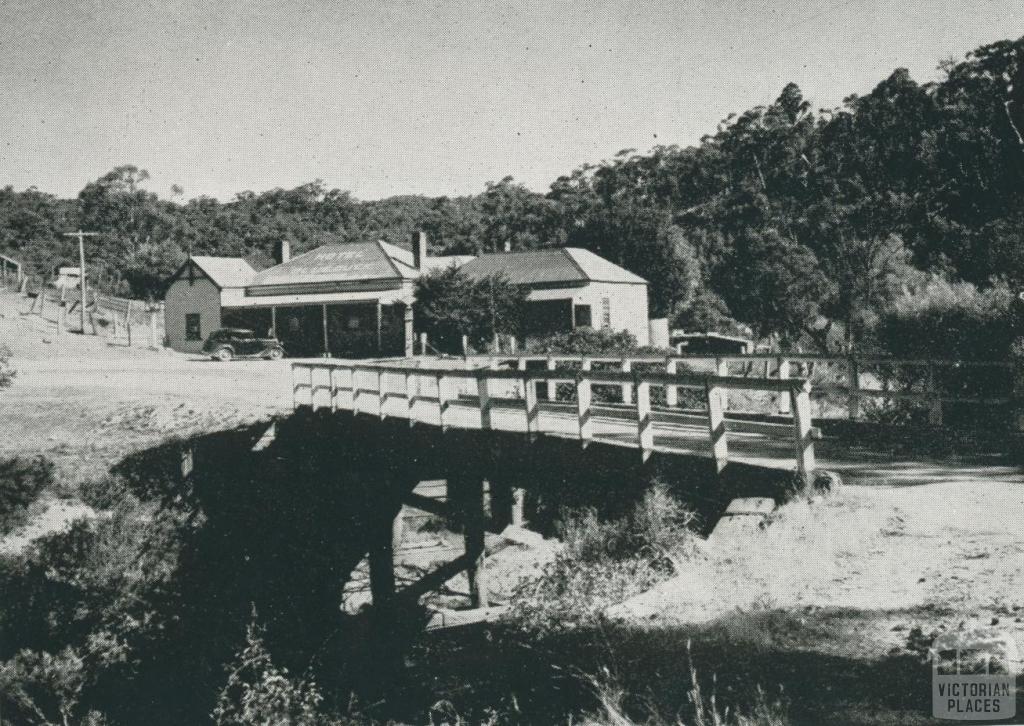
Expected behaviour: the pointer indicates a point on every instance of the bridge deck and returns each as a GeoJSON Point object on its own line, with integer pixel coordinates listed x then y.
{"type": "Point", "coordinates": [504, 400]}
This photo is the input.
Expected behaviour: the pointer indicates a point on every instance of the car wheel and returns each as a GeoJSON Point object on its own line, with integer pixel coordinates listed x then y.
{"type": "Point", "coordinates": [276, 354]}
{"type": "Point", "coordinates": [223, 354]}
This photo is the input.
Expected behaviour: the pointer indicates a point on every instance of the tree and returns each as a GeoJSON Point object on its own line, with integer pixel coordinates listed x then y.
{"type": "Point", "coordinates": [776, 286]}
{"type": "Point", "coordinates": [514, 217]}
{"type": "Point", "coordinates": [450, 305]}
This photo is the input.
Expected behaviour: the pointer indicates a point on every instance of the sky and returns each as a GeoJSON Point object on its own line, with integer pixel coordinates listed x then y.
{"type": "Point", "coordinates": [428, 97]}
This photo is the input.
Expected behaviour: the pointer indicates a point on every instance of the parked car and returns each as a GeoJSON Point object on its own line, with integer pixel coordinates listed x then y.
{"type": "Point", "coordinates": [227, 343]}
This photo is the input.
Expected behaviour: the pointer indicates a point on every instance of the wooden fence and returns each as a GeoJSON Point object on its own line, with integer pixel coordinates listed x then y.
{"type": "Point", "coordinates": [123, 321]}
{"type": "Point", "coordinates": [846, 376]}
{"type": "Point", "coordinates": [496, 398]}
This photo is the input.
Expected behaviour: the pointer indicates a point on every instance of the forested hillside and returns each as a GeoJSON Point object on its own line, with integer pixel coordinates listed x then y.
{"type": "Point", "coordinates": [817, 226]}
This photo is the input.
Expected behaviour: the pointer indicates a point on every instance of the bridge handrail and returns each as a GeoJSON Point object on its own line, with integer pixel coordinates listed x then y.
{"type": "Point", "coordinates": [745, 358]}
{"type": "Point", "coordinates": [682, 380]}
{"type": "Point", "coordinates": [796, 390]}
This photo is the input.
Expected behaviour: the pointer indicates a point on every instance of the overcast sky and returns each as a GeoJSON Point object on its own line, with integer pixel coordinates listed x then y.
{"type": "Point", "coordinates": [425, 97]}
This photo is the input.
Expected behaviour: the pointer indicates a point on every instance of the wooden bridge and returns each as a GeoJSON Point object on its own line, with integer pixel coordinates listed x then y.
{"type": "Point", "coordinates": [464, 394]}
{"type": "Point", "coordinates": [644, 403]}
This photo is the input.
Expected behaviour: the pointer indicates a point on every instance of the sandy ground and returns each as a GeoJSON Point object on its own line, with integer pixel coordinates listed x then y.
{"type": "Point", "coordinates": [909, 542]}
{"type": "Point", "coordinates": [874, 560]}
{"type": "Point", "coordinates": [85, 403]}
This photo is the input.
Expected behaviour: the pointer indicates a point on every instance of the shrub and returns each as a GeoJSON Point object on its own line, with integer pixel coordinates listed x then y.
{"type": "Point", "coordinates": [590, 341]}
{"type": "Point", "coordinates": [258, 693]}
{"type": "Point", "coordinates": [944, 319]}
{"type": "Point", "coordinates": [21, 481]}
{"type": "Point", "coordinates": [603, 563]}
{"type": "Point", "coordinates": [104, 493]}
{"type": "Point", "coordinates": [7, 372]}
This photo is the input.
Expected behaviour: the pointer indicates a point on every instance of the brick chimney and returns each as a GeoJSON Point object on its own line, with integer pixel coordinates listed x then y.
{"type": "Point", "coordinates": [419, 249]}
{"type": "Point", "coordinates": [283, 251]}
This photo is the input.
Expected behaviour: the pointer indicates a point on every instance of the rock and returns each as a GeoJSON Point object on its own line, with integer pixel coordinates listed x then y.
{"type": "Point", "coordinates": [826, 482]}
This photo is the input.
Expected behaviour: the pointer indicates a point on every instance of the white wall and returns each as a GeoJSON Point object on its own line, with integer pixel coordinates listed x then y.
{"type": "Point", "coordinates": [628, 304]}
{"type": "Point", "coordinates": [202, 297]}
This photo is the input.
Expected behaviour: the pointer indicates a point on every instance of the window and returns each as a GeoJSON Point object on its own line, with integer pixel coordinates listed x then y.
{"type": "Point", "coordinates": [192, 329]}
{"type": "Point", "coordinates": [581, 316]}
{"type": "Point", "coordinates": [606, 312]}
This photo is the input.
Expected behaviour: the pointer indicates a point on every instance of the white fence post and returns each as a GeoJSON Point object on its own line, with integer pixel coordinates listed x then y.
{"type": "Point", "coordinates": [380, 395]}
{"type": "Point", "coordinates": [440, 400]}
{"type": "Point", "coordinates": [410, 396]}
{"type": "Point", "coordinates": [722, 369]}
{"type": "Point", "coordinates": [671, 392]}
{"type": "Point", "coordinates": [783, 376]}
{"type": "Point", "coordinates": [355, 391]}
{"type": "Point", "coordinates": [645, 426]}
{"type": "Point", "coordinates": [532, 408]}
{"type": "Point", "coordinates": [627, 388]}
{"type": "Point", "coordinates": [801, 400]}
{"type": "Point", "coordinates": [333, 388]}
{"type": "Point", "coordinates": [853, 386]}
{"type": "Point", "coordinates": [484, 394]}
{"type": "Point", "coordinates": [716, 426]}
{"type": "Point", "coordinates": [583, 398]}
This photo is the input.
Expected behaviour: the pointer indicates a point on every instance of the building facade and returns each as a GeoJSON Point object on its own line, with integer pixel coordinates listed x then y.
{"type": "Point", "coordinates": [570, 288]}
{"type": "Point", "coordinates": [356, 300]}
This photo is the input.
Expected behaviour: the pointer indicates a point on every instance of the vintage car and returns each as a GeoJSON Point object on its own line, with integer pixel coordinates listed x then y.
{"type": "Point", "coordinates": [227, 343]}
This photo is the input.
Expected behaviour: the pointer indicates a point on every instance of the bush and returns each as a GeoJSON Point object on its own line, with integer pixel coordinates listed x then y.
{"type": "Point", "coordinates": [603, 563]}
{"type": "Point", "coordinates": [258, 693]}
{"type": "Point", "coordinates": [7, 372]}
{"type": "Point", "coordinates": [21, 481]}
{"type": "Point", "coordinates": [104, 493]}
{"type": "Point", "coordinates": [943, 319]}
{"type": "Point", "coordinates": [590, 341]}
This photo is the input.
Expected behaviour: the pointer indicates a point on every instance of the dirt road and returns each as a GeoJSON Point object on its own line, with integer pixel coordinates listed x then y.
{"type": "Point", "coordinates": [85, 404]}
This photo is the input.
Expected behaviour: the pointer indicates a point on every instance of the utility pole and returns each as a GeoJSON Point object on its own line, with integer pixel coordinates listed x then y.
{"type": "Point", "coordinates": [81, 265]}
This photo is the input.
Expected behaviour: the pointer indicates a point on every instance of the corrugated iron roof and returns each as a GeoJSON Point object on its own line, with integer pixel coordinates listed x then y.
{"type": "Point", "coordinates": [549, 266]}
{"type": "Point", "coordinates": [225, 271]}
{"type": "Point", "coordinates": [333, 263]}
{"type": "Point", "coordinates": [404, 260]}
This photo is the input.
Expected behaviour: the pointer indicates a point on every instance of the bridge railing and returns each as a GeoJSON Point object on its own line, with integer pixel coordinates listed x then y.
{"type": "Point", "coordinates": [496, 398]}
{"type": "Point", "coordinates": [852, 380]}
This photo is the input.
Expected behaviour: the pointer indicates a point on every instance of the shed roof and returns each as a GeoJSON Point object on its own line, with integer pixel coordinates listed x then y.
{"type": "Point", "coordinates": [225, 271]}
{"type": "Point", "coordinates": [549, 266]}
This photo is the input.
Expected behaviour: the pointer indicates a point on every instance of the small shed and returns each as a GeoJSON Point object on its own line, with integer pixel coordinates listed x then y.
{"type": "Point", "coordinates": [708, 343]}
